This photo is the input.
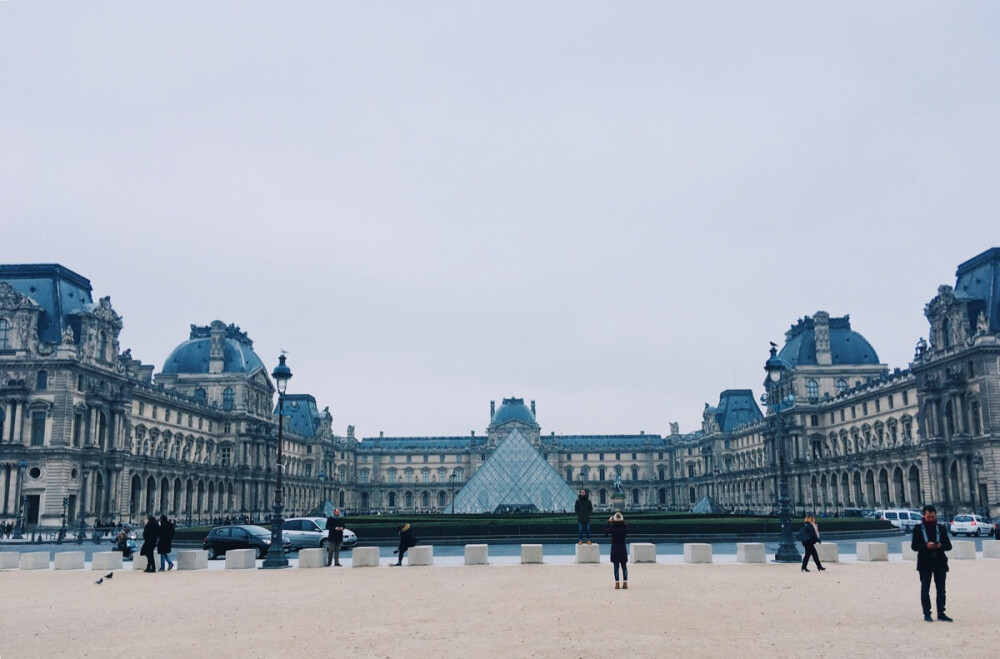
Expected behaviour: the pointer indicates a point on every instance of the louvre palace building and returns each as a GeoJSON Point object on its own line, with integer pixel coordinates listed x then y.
{"type": "Point", "coordinates": [91, 433]}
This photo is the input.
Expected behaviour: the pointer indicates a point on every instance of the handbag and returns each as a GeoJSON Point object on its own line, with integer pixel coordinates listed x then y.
{"type": "Point", "coordinates": [803, 534]}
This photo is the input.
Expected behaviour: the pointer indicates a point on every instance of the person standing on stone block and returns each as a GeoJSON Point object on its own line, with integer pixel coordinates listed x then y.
{"type": "Point", "coordinates": [583, 508]}
{"type": "Point", "coordinates": [618, 530]}
{"type": "Point", "coordinates": [334, 537]}
{"type": "Point", "coordinates": [930, 541]}
{"type": "Point", "coordinates": [407, 539]}
{"type": "Point", "coordinates": [163, 543]}
{"type": "Point", "coordinates": [150, 534]}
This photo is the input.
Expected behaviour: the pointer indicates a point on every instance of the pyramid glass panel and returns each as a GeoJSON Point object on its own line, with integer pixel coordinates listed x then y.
{"type": "Point", "coordinates": [514, 476]}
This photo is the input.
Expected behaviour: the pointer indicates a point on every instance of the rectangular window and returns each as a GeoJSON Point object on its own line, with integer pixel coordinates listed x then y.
{"type": "Point", "coordinates": [200, 420]}
{"type": "Point", "coordinates": [864, 409]}
{"type": "Point", "coordinates": [77, 428]}
{"type": "Point", "coordinates": [841, 415]}
{"type": "Point", "coordinates": [906, 398]}
{"type": "Point", "coordinates": [832, 419]}
{"type": "Point", "coordinates": [892, 401]}
{"type": "Point", "coordinates": [878, 405]}
{"type": "Point", "coordinates": [225, 456]}
{"type": "Point", "coordinates": [409, 458]}
{"type": "Point", "coordinates": [226, 427]}
{"type": "Point", "coordinates": [569, 456]}
{"type": "Point", "coordinates": [427, 458]}
{"type": "Point", "coordinates": [854, 412]}
{"type": "Point", "coordinates": [584, 456]}
{"type": "Point", "coordinates": [37, 428]}
{"type": "Point", "coordinates": [442, 458]}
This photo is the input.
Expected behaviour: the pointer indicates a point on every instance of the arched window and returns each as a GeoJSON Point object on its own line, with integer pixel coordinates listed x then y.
{"type": "Point", "coordinates": [228, 397]}
{"type": "Point", "coordinates": [812, 390]}
{"type": "Point", "coordinates": [200, 395]}
{"type": "Point", "coordinates": [392, 499]}
{"type": "Point", "coordinates": [408, 499]}
{"type": "Point", "coordinates": [425, 500]}
{"type": "Point", "coordinates": [569, 473]}
{"type": "Point", "coordinates": [4, 334]}
{"type": "Point", "coordinates": [442, 499]}
{"type": "Point", "coordinates": [841, 385]}
{"type": "Point", "coordinates": [946, 333]}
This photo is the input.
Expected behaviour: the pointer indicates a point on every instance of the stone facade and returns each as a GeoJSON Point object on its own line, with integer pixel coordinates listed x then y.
{"type": "Point", "coordinates": [82, 421]}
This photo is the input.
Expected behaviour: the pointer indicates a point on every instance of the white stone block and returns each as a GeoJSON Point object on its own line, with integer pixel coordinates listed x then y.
{"type": "Point", "coordinates": [990, 549]}
{"type": "Point", "coordinates": [192, 559]}
{"type": "Point", "coordinates": [9, 560]}
{"type": "Point", "coordinates": [69, 560]}
{"type": "Point", "coordinates": [750, 552]}
{"type": "Point", "coordinates": [869, 552]}
{"type": "Point", "coordinates": [106, 560]}
{"type": "Point", "coordinates": [310, 558]}
{"type": "Point", "coordinates": [588, 554]}
{"type": "Point", "coordinates": [364, 557]}
{"type": "Point", "coordinates": [643, 552]}
{"type": "Point", "coordinates": [963, 550]}
{"type": "Point", "coordinates": [241, 559]}
{"type": "Point", "coordinates": [695, 552]}
{"type": "Point", "coordinates": [907, 551]}
{"type": "Point", "coordinates": [477, 554]}
{"type": "Point", "coordinates": [531, 554]}
{"type": "Point", "coordinates": [35, 560]}
{"type": "Point", "coordinates": [138, 562]}
{"type": "Point", "coordinates": [422, 555]}
{"type": "Point", "coordinates": [828, 552]}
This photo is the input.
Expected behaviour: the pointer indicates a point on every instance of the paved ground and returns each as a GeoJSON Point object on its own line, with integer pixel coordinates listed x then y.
{"type": "Point", "coordinates": [555, 610]}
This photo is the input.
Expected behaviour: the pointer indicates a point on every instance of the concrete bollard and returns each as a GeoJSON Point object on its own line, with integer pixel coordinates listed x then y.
{"type": "Point", "coordinates": [643, 552]}
{"type": "Point", "coordinates": [963, 550]}
{"type": "Point", "coordinates": [192, 559]}
{"type": "Point", "coordinates": [990, 550]}
{"type": "Point", "coordinates": [68, 560]}
{"type": "Point", "coordinates": [869, 552]}
{"type": "Point", "coordinates": [477, 554]}
{"type": "Point", "coordinates": [422, 555]}
{"type": "Point", "coordinates": [310, 558]}
{"type": "Point", "coordinates": [9, 560]}
{"type": "Point", "coordinates": [139, 562]}
{"type": "Point", "coordinates": [531, 554]}
{"type": "Point", "coordinates": [106, 560]}
{"type": "Point", "coordinates": [828, 552]}
{"type": "Point", "coordinates": [35, 560]}
{"type": "Point", "coordinates": [907, 551]}
{"type": "Point", "coordinates": [695, 552]}
{"type": "Point", "coordinates": [750, 552]}
{"type": "Point", "coordinates": [241, 559]}
{"type": "Point", "coordinates": [364, 557]}
{"type": "Point", "coordinates": [588, 554]}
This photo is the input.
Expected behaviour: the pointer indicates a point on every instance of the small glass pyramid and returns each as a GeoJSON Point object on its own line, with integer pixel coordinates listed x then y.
{"type": "Point", "coordinates": [515, 476]}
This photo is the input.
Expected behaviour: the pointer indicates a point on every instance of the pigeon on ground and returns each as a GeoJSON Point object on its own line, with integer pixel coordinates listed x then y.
{"type": "Point", "coordinates": [99, 582]}
{"type": "Point", "coordinates": [109, 575]}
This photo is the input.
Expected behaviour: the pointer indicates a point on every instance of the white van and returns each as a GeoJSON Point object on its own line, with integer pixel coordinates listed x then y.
{"type": "Point", "coordinates": [904, 520]}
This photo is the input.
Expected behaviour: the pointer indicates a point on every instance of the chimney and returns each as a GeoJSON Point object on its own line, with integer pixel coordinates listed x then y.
{"type": "Point", "coordinates": [350, 432]}
{"type": "Point", "coordinates": [821, 326]}
{"type": "Point", "coordinates": [217, 351]}
{"type": "Point", "coordinates": [675, 428]}
{"type": "Point", "coordinates": [533, 410]}
{"type": "Point", "coordinates": [381, 434]}
{"type": "Point", "coordinates": [493, 410]}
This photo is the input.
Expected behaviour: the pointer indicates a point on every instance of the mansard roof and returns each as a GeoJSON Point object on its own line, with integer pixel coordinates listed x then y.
{"type": "Point", "coordinates": [979, 278]}
{"type": "Point", "coordinates": [419, 443]}
{"type": "Point", "coordinates": [737, 407]}
{"type": "Point", "coordinates": [57, 290]}
{"type": "Point", "coordinates": [302, 415]}
{"type": "Point", "coordinates": [847, 347]}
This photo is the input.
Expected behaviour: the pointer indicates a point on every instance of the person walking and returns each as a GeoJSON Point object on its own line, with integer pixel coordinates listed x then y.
{"type": "Point", "coordinates": [150, 534]}
{"type": "Point", "coordinates": [618, 530]}
{"type": "Point", "coordinates": [334, 537]}
{"type": "Point", "coordinates": [584, 508]}
{"type": "Point", "coordinates": [930, 541]}
{"type": "Point", "coordinates": [407, 539]}
{"type": "Point", "coordinates": [809, 536]}
{"type": "Point", "coordinates": [164, 541]}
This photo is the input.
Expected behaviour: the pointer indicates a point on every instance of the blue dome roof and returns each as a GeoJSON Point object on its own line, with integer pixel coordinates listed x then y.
{"type": "Point", "coordinates": [847, 347]}
{"type": "Point", "coordinates": [513, 409]}
{"type": "Point", "coordinates": [192, 355]}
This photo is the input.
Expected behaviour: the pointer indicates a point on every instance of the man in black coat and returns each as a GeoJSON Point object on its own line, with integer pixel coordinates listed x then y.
{"type": "Point", "coordinates": [583, 509]}
{"type": "Point", "coordinates": [407, 539]}
{"type": "Point", "coordinates": [150, 534]}
{"type": "Point", "coordinates": [334, 537]}
{"type": "Point", "coordinates": [930, 541]}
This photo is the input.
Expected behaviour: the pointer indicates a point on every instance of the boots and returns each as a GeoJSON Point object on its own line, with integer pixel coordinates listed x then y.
{"type": "Point", "coordinates": [618, 586]}
{"type": "Point", "coordinates": [625, 586]}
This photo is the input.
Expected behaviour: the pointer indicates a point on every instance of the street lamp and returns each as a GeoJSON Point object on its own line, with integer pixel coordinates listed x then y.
{"type": "Point", "coordinates": [62, 530]}
{"type": "Point", "coordinates": [276, 553]}
{"type": "Point", "coordinates": [453, 492]}
{"type": "Point", "coordinates": [82, 531]}
{"type": "Point", "coordinates": [777, 404]}
{"type": "Point", "coordinates": [19, 529]}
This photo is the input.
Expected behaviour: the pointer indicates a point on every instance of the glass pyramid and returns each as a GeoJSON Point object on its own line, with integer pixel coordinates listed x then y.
{"type": "Point", "coordinates": [514, 476]}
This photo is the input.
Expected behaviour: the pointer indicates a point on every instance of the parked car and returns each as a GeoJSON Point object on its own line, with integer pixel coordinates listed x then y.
{"type": "Point", "coordinates": [239, 536]}
{"type": "Point", "coordinates": [306, 532]}
{"type": "Point", "coordinates": [970, 525]}
{"type": "Point", "coordinates": [904, 520]}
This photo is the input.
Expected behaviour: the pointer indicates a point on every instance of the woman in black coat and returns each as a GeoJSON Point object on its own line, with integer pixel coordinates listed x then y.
{"type": "Point", "coordinates": [407, 539]}
{"type": "Point", "coordinates": [618, 530]}
{"type": "Point", "coordinates": [809, 536]}
{"type": "Point", "coordinates": [150, 534]}
{"type": "Point", "coordinates": [163, 547]}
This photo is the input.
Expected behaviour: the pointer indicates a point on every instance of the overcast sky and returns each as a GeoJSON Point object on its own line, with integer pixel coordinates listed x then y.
{"type": "Point", "coordinates": [610, 207]}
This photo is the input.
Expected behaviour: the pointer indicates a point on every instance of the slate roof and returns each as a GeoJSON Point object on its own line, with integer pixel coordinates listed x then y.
{"type": "Point", "coordinates": [737, 407]}
{"type": "Point", "coordinates": [192, 355]}
{"type": "Point", "coordinates": [513, 409]}
{"type": "Point", "coordinates": [302, 415]}
{"type": "Point", "coordinates": [979, 278]}
{"type": "Point", "coordinates": [58, 290]}
{"type": "Point", "coordinates": [847, 347]}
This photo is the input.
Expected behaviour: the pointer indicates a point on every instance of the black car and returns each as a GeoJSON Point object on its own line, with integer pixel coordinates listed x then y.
{"type": "Point", "coordinates": [242, 536]}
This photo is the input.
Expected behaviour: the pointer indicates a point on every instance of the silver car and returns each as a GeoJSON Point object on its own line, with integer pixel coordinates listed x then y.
{"type": "Point", "coordinates": [970, 525]}
{"type": "Point", "coordinates": [307, 532]}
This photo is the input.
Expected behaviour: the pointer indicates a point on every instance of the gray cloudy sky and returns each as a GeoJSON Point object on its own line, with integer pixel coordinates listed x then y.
{"type": "Point", "coordinates": [608, 207]}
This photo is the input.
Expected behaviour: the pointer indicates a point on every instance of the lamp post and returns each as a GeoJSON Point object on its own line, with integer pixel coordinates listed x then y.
{"type": "Point", "coordinates": [777, 404]}
{"type": "Point", "coordinates": [82, 531]}
{"type": "Point", "coordinates": [453, 492]}
{"type": "Point", "coordinates": [276, 553]}
{"type": "Point", "coordinates": [19, 529]}
{"type": "Point", "coordinates": [62, 530]}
